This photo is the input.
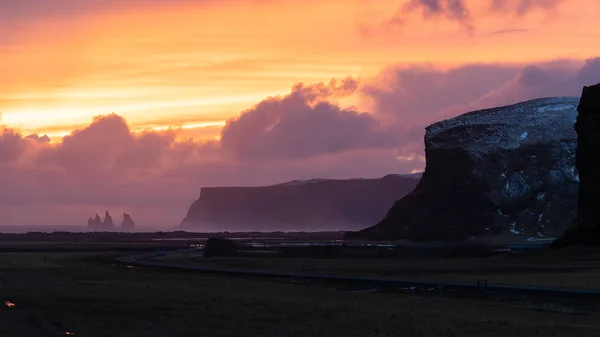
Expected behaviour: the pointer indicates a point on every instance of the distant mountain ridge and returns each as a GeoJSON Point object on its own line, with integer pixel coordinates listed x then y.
{"type": "Point", "coordinates": [298, 205]}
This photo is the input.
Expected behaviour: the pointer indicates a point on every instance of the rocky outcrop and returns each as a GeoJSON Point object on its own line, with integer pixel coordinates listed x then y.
{"type": "Point", "coordinates": [108, 221]}
{"type": "Point", "coordinates": [507, 171]}
{"type": "Point", "coordinates": [307, 205]}
{"type": "Point", "coordinates": [586, 229]}
{"type": "Point", "coordinates": [95, 223]}
{"type": "Point", "coordinates": [588, 156]}
{"type": "Point", "coordinates": [128, 224]}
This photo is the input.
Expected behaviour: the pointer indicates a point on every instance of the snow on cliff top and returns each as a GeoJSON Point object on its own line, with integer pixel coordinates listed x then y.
{"type": "Point", "coordinates": [509, 126]}
{"type": "Point", "coordinates": [316, 181]}
{"type": "Point", "coordinates": [537, 113]}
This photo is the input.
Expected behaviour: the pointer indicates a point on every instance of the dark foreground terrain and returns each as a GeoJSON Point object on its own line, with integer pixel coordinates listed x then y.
{"type": "Point", "coordinates": [546, 270]}
{"type": "Point", "coordinates": [87, 294]}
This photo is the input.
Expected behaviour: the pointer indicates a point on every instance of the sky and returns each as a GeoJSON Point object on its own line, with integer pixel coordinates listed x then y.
{"type": "Point", "coordinates": [133, 106]}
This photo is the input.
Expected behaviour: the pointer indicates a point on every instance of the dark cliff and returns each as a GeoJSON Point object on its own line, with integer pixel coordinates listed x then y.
{"type": "Point", "coordinates": [586, 229]}
{"type": "Point", "coordinates": [319, 204]}
{"type": "Point", "coordinates": [506, 171]}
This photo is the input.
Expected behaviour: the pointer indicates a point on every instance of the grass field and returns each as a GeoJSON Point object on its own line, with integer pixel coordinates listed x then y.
{"type": "Point", "coordinates": [85, 294]}
{"type": "Point", "coordinates": [548, 270]}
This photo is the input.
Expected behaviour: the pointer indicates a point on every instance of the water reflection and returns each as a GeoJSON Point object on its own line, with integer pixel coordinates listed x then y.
{"type": "Point", "coordinates": [10, 304]}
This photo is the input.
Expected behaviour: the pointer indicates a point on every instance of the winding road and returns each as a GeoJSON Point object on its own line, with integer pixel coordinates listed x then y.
{"type": "Point", "coordinates": [374, 281]}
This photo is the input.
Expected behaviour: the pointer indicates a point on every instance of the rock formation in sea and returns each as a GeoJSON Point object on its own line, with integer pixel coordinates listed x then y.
{"type": "Point", "coordinates": [108, 221]}
{"type": "Point", "coordinates": [128, 224]}
{"type": "Point", "coordinates": [300, 205]}
{"type": "Point", "coordinates": [586, 227]}
{"type": "Point", "coordinates": [94, 223]}
{"type": "Point", "coordinates": [507, 171]}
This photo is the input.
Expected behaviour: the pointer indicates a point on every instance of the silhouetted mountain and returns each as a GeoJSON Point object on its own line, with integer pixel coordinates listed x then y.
{"type": "Point", "coordinates": [318, 204]}
{"type": "Point", "coordinates": [505, 171]}
{"type": "Point", "coordinates": [128, 224]}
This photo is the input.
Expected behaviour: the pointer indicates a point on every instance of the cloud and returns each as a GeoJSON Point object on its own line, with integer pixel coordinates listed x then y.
{"type": "Point", "coordinates": [156, 174]}
{"type": "Point", "coordinates": [416, 93]}
{"type": "Point", "coordinates": [559, 78]}
{"type": "Point", "coordinates": [303, 124]}
{"type": "Point", "coordinates": [460, 11]}
{"type": "Point", "coordinates": [508, 31]}
{"type": "Point", "coordinates": [522, 7]}
{"type": "Point", "coordinates": [424, 94]}
{"type": "Point", "coordinates": [12, 145]}
{"type": "Point", "coordinates": [305, 134]}
{"type": "Point", "coordinates": [455, 10]}
{"type": "Point", "coordinates": [17, 10]}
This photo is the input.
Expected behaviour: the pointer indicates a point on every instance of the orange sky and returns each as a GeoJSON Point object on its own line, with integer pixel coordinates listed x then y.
{"type": "Point", "coordinates": [202, 63]}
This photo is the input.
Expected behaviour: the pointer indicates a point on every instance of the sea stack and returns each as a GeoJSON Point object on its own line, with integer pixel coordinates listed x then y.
{"type": "Point", "coordinates": [108, 222]}
{"type": "Point", "coordinates": [94, 223]}
{"type": "Point", "coordinates": [128, 224]}
{"type": "Point", "coordinates": [586, 227]}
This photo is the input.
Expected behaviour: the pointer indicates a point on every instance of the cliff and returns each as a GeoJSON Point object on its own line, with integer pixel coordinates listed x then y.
{"type": "Point", "coordinates": [310, 205]}
{"type": "Point", "coordinates": [506, 171]}
{"type": "Point", "coordinates": [586, 229]}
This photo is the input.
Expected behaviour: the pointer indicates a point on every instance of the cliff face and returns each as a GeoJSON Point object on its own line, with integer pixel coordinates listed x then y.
{"type": "Point", "coordinates": [310, 205]}
{"type": "Point", "coordinates": [506, 171]}
{"type": "Point", "coordinates": [586, 229]}
{"type": "Point", "coordinates": [588, 156]}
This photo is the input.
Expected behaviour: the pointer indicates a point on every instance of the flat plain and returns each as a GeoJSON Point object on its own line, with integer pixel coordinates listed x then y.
{"type": "Point", "coordinates": [564, 269]}
{"type": "Point", "coordinates": [87, 294]}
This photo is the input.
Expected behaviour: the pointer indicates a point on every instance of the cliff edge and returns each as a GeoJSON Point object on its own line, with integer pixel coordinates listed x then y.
{"type": "Point", "coordinates": [506, 171]}
{"type": "Point", "coordinates": [299, 205]}
{"type": "Point", "coordinates": [586, 227]}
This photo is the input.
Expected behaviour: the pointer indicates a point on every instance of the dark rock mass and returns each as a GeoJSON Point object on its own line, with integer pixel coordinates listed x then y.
{"type": "Point", "coordinates": [108, 221]}
{"type": "Point", "coordinates": [95, 224]}
{"type": "Point", "coordinates": [309, 205]}
{"type": "Point", "coordinates": [586, 227]}
{"type": "Point", "coordinates": [507, 171]}
{"type": "Point", "coordinates": [128, 224]}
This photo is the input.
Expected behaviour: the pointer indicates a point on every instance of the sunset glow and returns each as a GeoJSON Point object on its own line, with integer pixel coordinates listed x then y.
{"type": "Point", "coordinates": [191, 63]}
{"type": "Point", "coordinates": [204, 92]}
